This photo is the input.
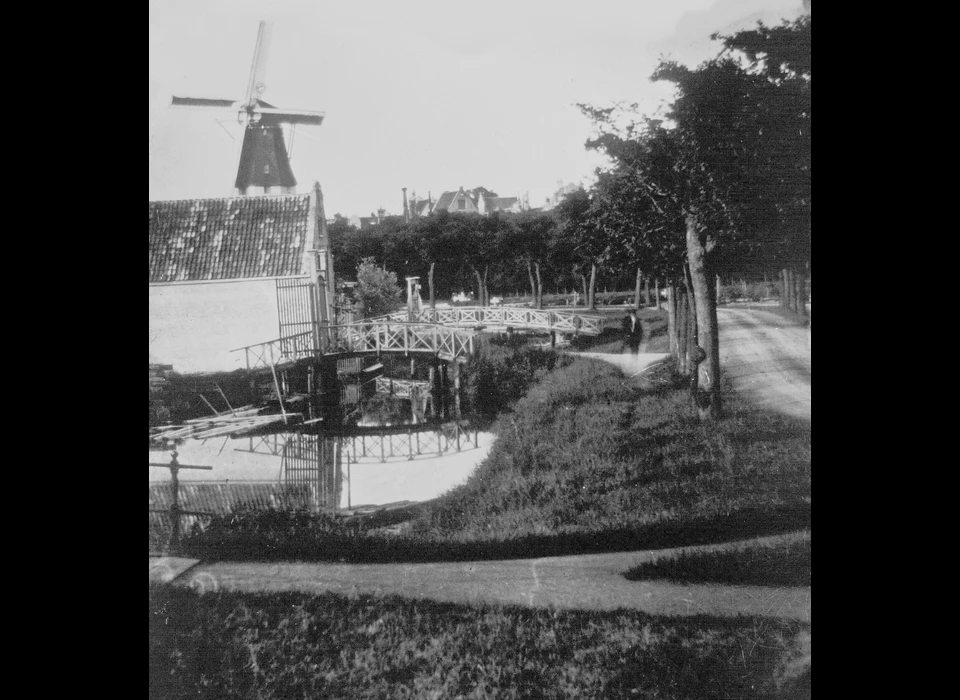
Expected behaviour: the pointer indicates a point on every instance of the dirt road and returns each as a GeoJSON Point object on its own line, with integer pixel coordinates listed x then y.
{"type": "Point", "coordinates": [766, 359]}
{"type": "Point", "coordinates": [585, 582]}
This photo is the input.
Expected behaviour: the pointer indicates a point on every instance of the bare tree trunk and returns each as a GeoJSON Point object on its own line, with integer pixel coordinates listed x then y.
{"type": "Point", "coordinates": [539, 290]}
{"type": "Point", "coordinates": [672, 319]}
{"type": "Point", "coordinates": [593, 286]}
{"type": "Point", "coordinates": [784, 291]}
{"type": "Point", "coordinates": [479, 287]}
{"type": "Point", "coordinates": [657, 290]}
{"type": "Point", "coordinates": [801, 293]}
{"type": "Point", "coordinates": [533, 286]}
{"type": "Point", "coordinates": [646, 289]}
{"type": "Point", "coordinates": [699, 247]}
{"type": "Point", "coordinates": [486, 290]}
{"type": "Point", "coordinates": [693, 356]}
{"type": "Point", "coordinates": [794, 288]}
{"type": "Point", "coordinates": [433, 298]}
{"type": "Point", "coordinates": [636, 291]}
{"type": "Point", "coordinates": [718, 289]}
{"type": "Point", "coordinates": [583, 281]}
{"type": "Point", "coordinates": [683, 327]}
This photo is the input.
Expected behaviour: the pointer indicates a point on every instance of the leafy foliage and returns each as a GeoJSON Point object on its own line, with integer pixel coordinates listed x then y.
{"type": "Point", "coordinates": [377, 291]}
{"type": "Point", "coordinates": [493, 380]}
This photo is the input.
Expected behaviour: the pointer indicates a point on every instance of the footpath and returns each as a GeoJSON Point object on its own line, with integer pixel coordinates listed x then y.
{"type": "Point", "coordinates": [584, 582]}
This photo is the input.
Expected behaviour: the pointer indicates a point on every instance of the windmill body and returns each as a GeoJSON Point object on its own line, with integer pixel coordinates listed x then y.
{"type": "Point", "coordinates": [264, 164]}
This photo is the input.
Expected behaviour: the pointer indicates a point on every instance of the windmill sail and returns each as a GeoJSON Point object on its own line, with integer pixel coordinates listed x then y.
{"type": "Point", "coordinates": [201, 102]}
{"type": "Point", "coordinates": [264, 161]}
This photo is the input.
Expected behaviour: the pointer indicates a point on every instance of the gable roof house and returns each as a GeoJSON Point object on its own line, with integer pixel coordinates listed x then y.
{"type": "Point", "coordinates": [227, 273]}
{"type": "Point", "coordinates": [479, 200]}
{"type": "Point", "coordinates": [456, 202]}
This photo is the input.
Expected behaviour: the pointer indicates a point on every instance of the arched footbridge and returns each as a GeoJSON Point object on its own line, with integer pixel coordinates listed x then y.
{"type": "Point", "coordinates": [447, 333]}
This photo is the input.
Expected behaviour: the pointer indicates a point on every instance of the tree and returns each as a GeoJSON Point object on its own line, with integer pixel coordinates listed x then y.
{"type": "Point", "coordinates": [377, 292]}
{"type": "Point", "coordinates": [585, 250]}
{"type": "Point", "coordinates": [780, 57]}
{"type": "Point", "coordinates": [530, 247]}
{"type": "Point", "coordinates": [737, 146]}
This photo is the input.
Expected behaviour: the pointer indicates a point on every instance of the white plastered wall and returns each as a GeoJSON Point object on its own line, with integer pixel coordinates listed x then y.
{"type": "Point", "coordinates": [194, 326]}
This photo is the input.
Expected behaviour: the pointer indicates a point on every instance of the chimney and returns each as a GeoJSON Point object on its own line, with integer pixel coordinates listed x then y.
{"type": "Point", "coordinates": [429, 201]}
{"type": "Point", "coordinates": [406, 209]}
{"type": "Point", "coordinates": [381, 212]}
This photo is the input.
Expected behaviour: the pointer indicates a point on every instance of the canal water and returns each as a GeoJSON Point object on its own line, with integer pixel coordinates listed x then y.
{"type": "Point", "coordinates": [368, 479]}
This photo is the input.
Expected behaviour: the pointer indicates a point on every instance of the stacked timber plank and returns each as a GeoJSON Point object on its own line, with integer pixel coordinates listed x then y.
{"type": "Point", "coordinates": [234, 423]}
{"type": "Point", "coordinates": [158, 376]}
{"type": "Point", "coordinates": [158, 379]}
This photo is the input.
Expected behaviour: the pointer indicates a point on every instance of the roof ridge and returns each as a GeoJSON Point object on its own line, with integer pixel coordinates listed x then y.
{"type": "Point", "coordinates": [235, 197]}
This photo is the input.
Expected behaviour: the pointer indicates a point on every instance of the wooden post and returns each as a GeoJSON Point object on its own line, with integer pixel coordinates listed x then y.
{"type": "Point", "coordinates": [276, 384]}
{"type": "Point", "coordinates": [226, 401]}
{"type": "Point", "coordinates": [175, 505]}
{"type": "Point", "coordinates": [456, 389]}
{"type": "Point", "coordinates": [175, 510]}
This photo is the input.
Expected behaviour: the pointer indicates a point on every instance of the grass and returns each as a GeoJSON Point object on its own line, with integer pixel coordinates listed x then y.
{"type": "Point", "coordinates": [584, 463]}
{"type": "Point", "coordinates": [290, 645]}
{"type": "Point", "coordinates": [611, 335]}
{"type": "Point", "coordinates": [779, 564]}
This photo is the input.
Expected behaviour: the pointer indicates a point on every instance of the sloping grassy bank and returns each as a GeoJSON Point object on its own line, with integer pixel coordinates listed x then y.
{"type": "Point", "coordinates": [582, 463]}
{"type": "Point", "coordinates": [289, 645]}
{"type": "Point", "coordinates": [754, 564]}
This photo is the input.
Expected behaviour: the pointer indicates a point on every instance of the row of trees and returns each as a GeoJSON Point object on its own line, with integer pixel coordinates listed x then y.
{"type": "Point", "coordinates": [719, 186]}
{"type": "Point", "coordinates": [530, 251]}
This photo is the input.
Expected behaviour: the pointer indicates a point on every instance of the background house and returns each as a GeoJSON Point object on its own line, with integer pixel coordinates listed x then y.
{"type": "Point", "coordinates": [226, 273]}
{"type": "Point", "coordinates": [456, 202]}
{"type": "Point", "coordinates": [479, 200]}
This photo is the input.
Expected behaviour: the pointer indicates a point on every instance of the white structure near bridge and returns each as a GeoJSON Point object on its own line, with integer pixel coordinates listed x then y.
{"type": "Point", "coordinates": [226, 273]}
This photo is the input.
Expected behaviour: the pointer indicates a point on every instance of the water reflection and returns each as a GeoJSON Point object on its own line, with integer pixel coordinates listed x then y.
{"type": "Point", "coordinates": [388, 439]}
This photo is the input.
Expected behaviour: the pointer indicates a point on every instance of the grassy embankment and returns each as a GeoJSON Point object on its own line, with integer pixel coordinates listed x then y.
{"type": "Point", "coordinates": [584, 462]}
{"type": "Point", "coordinates": [290, 645]}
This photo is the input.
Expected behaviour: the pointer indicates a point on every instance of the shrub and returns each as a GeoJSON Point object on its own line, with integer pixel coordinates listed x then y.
{"type": "Point", "coordinates": [377, 292]}
{"type": "Point", "coordinates": [491, 381]}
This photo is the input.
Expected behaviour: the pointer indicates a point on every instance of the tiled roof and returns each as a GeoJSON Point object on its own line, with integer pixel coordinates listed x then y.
{"type": "Point", "coordinates": [476, 192]}
{"type": "Point", "coordinates": [422, 206]}
{"type": "Point", "coordinates": [446, 199]}
{"type": "Point", "coordinates": [239, 237]}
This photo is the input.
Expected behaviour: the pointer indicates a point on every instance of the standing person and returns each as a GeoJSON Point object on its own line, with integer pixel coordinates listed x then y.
{"type": "Point", "coordinates": [633, 331]}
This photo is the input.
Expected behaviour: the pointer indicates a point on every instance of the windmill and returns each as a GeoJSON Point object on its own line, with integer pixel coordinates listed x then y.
{"type": "Point", "coordinates": [264, 164]}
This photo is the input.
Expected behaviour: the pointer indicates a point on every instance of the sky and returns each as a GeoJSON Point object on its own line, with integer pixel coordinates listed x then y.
{"type": "Point", "coordinates": [421, 94]}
